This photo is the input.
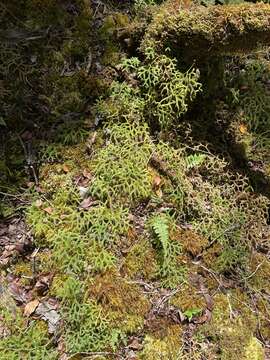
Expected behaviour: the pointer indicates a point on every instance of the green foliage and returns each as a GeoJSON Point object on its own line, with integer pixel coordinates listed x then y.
{"type": "Point", "coordinates": [170, 271]}
{"type": "Point", "coordinates": [120, 169]}
{"type": "Point", "coordinates": [191, 313]}
{"type": "Point", "coordinates": [35, 68]}
{"type": "Point", "coordinates": [69, 135]}
{"type": "Point", "coordinates": [139, 5]}
{"type": "Point", "coordinates": [166, 91]}
{"type": "Point", "coordinates": [252, 108]}
{"type": "Point", "coordinates": [86, 326]}
{"type": "Point", "coordinates": [32, 344]}
{"type": "Point", "coordinates": [101, 253]}
{"type": "Point", "coordinates": [78, 244]}
{"type": "Point", "coordinates": [163, 93]}
{"type": "Point", "coordinates": [23, 341]}
{"type": "Point", "coordinates": [49, 153]}
{"type": "Point", "coordinates": [123, 104]}
{"type": "Point", "coordinates": [195, 160]}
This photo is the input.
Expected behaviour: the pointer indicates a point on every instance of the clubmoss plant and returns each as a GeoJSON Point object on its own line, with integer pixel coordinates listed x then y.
{"type": "Point", "coordinates": [127, 179]}
{"type": "Point", "coordinates": [22, 341]}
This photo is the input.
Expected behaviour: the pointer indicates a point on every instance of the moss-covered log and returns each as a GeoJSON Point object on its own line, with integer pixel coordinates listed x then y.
{"type": "Point", "coordinates": [199, 31]}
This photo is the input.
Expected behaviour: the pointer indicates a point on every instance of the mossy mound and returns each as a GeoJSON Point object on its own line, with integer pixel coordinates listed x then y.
{"type": "Point", "coordinates": [233, 328]}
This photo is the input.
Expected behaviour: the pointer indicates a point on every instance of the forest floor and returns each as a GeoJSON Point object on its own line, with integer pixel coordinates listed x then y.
{"type": "Point", "coordinates": [119, 238]}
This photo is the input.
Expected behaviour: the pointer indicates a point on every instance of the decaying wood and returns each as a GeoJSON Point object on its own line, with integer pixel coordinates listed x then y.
{"type": "Point", "coordinates": [200, 31]}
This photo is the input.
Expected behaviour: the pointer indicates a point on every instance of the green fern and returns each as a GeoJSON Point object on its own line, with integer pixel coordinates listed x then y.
{"type": "Point", "coordinates": [170, 270]}
{"type": "Point", "coordinates": [160, 225]}
{"type": "Point", "coordinates": [195, 160]}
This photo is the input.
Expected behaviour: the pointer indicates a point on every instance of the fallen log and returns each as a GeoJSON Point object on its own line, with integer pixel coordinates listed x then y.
{"type": "Point", "coordinates": [197, 31]}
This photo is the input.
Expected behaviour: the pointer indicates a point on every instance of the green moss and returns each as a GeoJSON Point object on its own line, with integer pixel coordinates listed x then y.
{"type": "Point", "coordinates": [254, 350]}
{"type": "Point", "coordinates": [86, 326]}
{"type": "Point", "coordinates": [112, 26]}
{"type": "Point", "coordinates": [128, 312]}
{"type": "Point", "coordinates": [251, 102]}
{"type": "Point", "coordinates": [193, 30]}
{"type": "Point", "coordinates": [259, 267]}
{"type": "Point", "coordinates": [169, 347]}
{"type": "Point", "coordinates": [232, 327]}
{"type": "Point", "coordinates": [191, 242]}
{"type": "Point", "coordinates": [189, 297]}
{"type": "Point", "coordinates": [141, 261]}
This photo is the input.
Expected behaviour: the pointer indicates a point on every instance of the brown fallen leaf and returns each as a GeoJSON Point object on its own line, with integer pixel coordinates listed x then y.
{"type": "Point", "coordinates": [87, 203]}
{"type": "Point", "coordinates": [47, 311]}
{"type": "Point", "coordinates": [87, 174]}
{"type": "Point", "coordinates": [135, 344]}
{"type": "Point", "coordinates": [30, 307]}
{"type": "Point", "coordinates": [4, 331]}
{"type": "Point", "coordinates": [43, 283]}
{"type": "Point", "coordinates": [156, 182]}
{"type": "Point", "coordinates": [66, 169]}
{"type": "Point", "coordinates": [19, 293]}
{"type": "Point", "coordinates": [48, 210]}
{"type": "Point", "coordinates": [243, 128]}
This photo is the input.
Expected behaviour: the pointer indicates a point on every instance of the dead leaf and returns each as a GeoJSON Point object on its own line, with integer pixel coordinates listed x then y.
{"type": "Point", "coordinates": [87, 174]}
{"type": "Point", "coordinates": [39, 203]}
{"type": "Point", "coordinates": [135, 344]}
{"type": "Point", "coordinates": [30, 307]}
{"type": "Point", "coordinates": [43, 283]}
{"type": "Point", "coordinates": [156, 182]}
{"type": "Point", "coordinates": [205, 317]}
{"type": "Point", "coordinates": [86, 203]}
{"type": "Point", "coordinates": [47, 311]}
{"type": "Point", "coordinates": [243, 128]}
{"type": "Point", "coordinates": [48, 210]}
{"type": "Point", "coordinates": [244, 87]}
{"type": "Point", "coordinates": [18, 292]}
{"type": "Point", "coordinates": [131, 355]}
{"type": "Point", "coordinates": [4, 331]}
{"type": "Point", "coordinates": [66, 169]}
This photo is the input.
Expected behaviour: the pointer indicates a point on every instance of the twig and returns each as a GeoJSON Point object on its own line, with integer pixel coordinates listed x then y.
{"type": "Point", "coordinates": [164, 299]}
{"type": "Point", "coordinates": [9, 195]}
{"type": "Point", "coordinates": [210, 272]}
{"type": "Point", "coordinates": [230, 307]}
{"type": "Point", "coordinates": [91, 354]}
{"type": "Point", "coordinates": [254, 272]}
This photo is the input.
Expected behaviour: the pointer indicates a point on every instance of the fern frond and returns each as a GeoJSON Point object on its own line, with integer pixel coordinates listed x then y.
{"type": "Point", "coordinates": [195, 160]}
{"type": "Point", "coordinates": [161, 228]}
